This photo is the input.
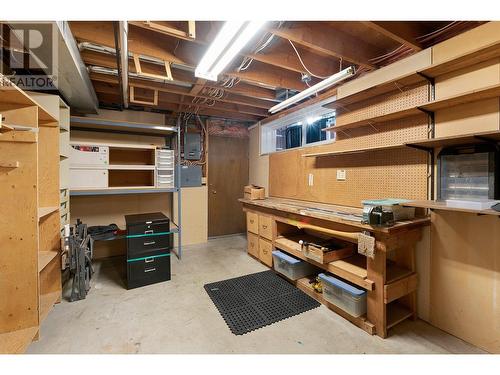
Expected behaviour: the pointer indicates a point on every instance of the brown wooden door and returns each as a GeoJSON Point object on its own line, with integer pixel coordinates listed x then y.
{"type": "Point", "coordinates": [227, 175]}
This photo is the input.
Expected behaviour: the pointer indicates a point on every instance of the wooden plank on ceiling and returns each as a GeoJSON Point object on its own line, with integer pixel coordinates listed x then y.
{"type": "Point", "coordinates": [315, 36]}
{"type": "Point", "coordinates": [175, 99]}
{"type": "Point", "coordinates": [399, 31]}
{"type": "Point", "coordinates": [228, 96]}
{"type": "Point", "coordinates": [102, 33]}
{"type": "Point", "coordinates": [271, 76]}
{"type": "Point", "coordinates": [283, 56]}
{"type": "Point", "coordinates": [115, 99]}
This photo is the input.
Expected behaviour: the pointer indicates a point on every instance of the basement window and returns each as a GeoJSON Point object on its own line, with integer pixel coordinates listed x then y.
{"type": "Point", "coordinates": [279, 136]}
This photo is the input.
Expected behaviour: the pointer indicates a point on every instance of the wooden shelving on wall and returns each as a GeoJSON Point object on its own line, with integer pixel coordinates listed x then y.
{"type": "Point", "coordinates": [25, 281]}
{"type": "Point", "coordinates": [458, 140]}
{"type": "Point", "coordinates": [442, 206]}
{"type": "Point", "coordinates": [447, 102]}
{"type": "Point", "coordinates": [392, 85]}
{"type": "Point", "coordinates": [465, 60]}
{"type": "Point", "coordinates": [353, 151]}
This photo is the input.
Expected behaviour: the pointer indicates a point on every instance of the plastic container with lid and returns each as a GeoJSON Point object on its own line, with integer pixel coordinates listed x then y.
{"type": "Point", "coordinates": [344, 295]}
{"type": "Point", "coordinates": [291, 267]}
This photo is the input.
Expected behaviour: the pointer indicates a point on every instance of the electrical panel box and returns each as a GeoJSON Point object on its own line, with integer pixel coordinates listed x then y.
{"type": "Point", "coordinates": [192, 146]}
{"type": "Point", "coordinates": [190, 175]}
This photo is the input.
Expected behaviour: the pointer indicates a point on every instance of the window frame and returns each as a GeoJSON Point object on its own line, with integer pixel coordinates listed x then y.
{"type": "Point", "coordinates": [267, 132]}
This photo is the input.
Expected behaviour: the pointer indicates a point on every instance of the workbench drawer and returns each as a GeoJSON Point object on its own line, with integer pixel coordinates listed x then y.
{"type": "Point", "coordinates": [265, 227]}
{"type": "Point", "coordinates": [266, 252]}
{"type": "Point", "coordinates": [253, 222]}
{"type": "Point", "coordinates": [253, 244]}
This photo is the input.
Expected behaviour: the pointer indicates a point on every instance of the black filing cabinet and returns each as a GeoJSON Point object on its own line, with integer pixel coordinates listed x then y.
{"type": "Point", "coordinates": [149, 242]}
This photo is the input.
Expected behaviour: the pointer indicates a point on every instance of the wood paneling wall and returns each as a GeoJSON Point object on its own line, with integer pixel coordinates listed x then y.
{"type": "Point", "coordinates": [459, 260]}
{"type": "Point", "coordinates": [464, 286]}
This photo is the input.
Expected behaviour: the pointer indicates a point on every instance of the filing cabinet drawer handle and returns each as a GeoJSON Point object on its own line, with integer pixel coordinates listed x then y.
{"type": "Point", "coordinates": [150, 270]}
{"type": "Point", "coordinates": [149, 260]}
{"type": "Point", "coordinates": [150, 231]}
{"type": "Point", "coordinates": [264, 226]}
{"type": "Point", "coordinates": [149, 243]}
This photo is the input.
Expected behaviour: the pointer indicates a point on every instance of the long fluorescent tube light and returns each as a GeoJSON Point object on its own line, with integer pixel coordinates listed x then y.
{"type": "Point", "coordinates": [230, 40]}
{"type": "Point", "coordinates": [336, 78]}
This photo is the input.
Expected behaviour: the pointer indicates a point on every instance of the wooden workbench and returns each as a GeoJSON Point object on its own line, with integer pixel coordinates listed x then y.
{"type": "Point", "coordinates": [390, 277]}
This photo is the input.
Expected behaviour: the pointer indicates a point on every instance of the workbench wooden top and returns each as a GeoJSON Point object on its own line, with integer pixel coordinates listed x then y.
{"type": "Point", "coordinates": [331, 213]}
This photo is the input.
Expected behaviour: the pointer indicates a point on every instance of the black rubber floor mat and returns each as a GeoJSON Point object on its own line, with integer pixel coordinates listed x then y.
{"type": "Point", "coordinates": [253, 301]}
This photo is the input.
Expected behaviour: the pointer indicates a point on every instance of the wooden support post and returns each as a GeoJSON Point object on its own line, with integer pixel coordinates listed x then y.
{"type": "Point", "coordinates": [376, 308]}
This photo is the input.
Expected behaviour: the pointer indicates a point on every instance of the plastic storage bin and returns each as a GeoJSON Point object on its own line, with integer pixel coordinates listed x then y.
{"type": "Point", "coordinates": [343, 295]}
{"type": "Point", "coordinates": [291, 267]}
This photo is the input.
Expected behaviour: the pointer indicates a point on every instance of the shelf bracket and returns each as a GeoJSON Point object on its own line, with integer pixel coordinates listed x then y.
{"type": "Point", "coordinates": [487, 140]}
{"type": "Point", "coordinates": [429, 79]}
{"type": "Point", "coordinates": [432, 83]}
{"type": "Point", "coordinates": [423, 148]}
{"type": "Point", "coordinates": [432, 121]}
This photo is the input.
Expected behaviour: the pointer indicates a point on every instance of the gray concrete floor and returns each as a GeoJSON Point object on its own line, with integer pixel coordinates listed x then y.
{"type": "Point", "coordinates": [179, 317]}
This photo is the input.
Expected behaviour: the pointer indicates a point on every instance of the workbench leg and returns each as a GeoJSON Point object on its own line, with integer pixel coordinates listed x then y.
{"type": "Point", "coordinates": [376, 308]}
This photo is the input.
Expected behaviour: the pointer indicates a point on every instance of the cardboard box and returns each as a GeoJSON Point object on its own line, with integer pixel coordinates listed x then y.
{"type": "Point", "coordinates": [253, 192]}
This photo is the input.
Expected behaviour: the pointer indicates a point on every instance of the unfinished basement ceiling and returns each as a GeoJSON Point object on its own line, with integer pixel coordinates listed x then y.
{"type": "Point", "coordinates": [256, 78]}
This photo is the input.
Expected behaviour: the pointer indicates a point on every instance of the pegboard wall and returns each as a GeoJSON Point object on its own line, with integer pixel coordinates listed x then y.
{"type": "Point", "coordinates": [395, 132]}
{"type": "Point", "coordinates": [399, 173]}
{"type": "Point", "coordinates": [396, 173]}
{"type": "Point", "coordinates": [400, 99]}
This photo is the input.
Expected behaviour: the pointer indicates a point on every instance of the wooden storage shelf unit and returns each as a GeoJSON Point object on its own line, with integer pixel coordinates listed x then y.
{"type": "Point", "coordinates": [361, 321]}
{"type": "Point", "coordinates": [352, 268]}
{"type": "Point", "coordinates": [32, 226]}
{"type": "Point", "coordinates": [413, 78]}
{"type": "Point", "coordinates": [127, 166]}
{"type": "Point", "coordinates": [464, 60]}
{"type": "Point", "coordinates": [431, 106]}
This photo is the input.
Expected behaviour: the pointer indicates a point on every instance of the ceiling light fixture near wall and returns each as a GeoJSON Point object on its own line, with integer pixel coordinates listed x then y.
{"type": "Point", "coordinates": [230, 40]}
{"type": "Point", "coordinates": [330, 81]}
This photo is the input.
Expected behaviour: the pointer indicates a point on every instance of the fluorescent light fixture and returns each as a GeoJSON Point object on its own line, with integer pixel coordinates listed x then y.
{"type": "Point", "coordinates": [230, 40]}
{"type": "Point", "coordinates": [330, 81]}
